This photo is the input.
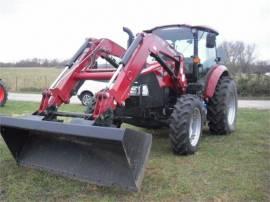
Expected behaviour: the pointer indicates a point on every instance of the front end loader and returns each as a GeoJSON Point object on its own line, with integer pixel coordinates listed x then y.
{"type": "Point", "coordinates": [78, 149]}
{"type": "Point", "coordinates": [169, 76]}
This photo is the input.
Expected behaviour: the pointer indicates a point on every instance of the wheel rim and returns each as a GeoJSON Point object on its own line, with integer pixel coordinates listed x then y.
{"type": "Point", "coordinates": [231, 109]}
{"type": "Point", "coordinates": [86, 99]}
{"type": "Point", "coordinates": [195, 127]}
{"type": "Point", "coordinates": [2, 94]}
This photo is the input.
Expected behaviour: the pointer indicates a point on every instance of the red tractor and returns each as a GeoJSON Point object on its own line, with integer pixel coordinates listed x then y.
{"type": "Point", "coordinates": [3, 93]}
{"type": "Point", "coordinates": [169, 76]}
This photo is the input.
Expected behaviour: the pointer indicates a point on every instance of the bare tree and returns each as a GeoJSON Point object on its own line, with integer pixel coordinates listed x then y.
{"type": "Point", "coordinates": [238, 56]}
{"type": "Point", "coordinates": [261, 67]}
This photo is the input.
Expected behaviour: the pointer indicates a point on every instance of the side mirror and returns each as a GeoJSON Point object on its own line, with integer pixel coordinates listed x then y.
{"type": "Point", "coordinates": [218, 59]}
{"type": "Point", "coordinates": [211, 40]}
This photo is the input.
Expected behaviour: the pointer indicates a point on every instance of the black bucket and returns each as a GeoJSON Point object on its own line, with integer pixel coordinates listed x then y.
{"type": "Point", "coordinates": [99, 155]}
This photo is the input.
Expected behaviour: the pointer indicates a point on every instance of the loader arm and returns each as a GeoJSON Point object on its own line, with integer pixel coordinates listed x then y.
{"type": "Point", "coordinates": [131, 66]}
{"type": "Point", "coordinates": [81, 67]}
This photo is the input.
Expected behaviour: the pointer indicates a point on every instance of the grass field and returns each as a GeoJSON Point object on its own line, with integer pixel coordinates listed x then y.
{"type": "Point", "coordinates": [28, 79]}
{"type": "Point", "coordinates": [226, 168]}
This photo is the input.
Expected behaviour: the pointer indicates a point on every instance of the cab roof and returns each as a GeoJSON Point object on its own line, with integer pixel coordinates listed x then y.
{"type": "Point", "coordinates": [199, 27]}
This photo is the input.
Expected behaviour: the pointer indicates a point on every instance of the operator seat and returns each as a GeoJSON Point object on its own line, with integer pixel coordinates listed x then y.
{"type": "Point", "coordinates": [189, 67]}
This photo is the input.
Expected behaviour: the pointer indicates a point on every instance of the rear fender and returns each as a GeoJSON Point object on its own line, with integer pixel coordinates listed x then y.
{"type": "Point", "coordinates": [213, 77]}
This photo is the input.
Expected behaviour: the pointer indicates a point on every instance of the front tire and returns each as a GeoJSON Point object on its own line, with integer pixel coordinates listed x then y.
{"type": "Point", "coordinates": [186, 124]}
{"type": "Point", "coordinates": [222, 107]}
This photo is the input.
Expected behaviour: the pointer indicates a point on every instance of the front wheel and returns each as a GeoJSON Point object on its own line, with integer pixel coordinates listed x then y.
{"type": "Point", "coordinates": [186, 124]}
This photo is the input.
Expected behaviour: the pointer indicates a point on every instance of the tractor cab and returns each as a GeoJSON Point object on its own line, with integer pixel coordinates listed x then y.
{"type": "Point", "coordinates": [196, 43]}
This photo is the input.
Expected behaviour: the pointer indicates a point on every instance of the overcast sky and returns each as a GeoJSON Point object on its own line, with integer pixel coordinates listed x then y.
{"type": "Point", "coordinates": [56, 28]}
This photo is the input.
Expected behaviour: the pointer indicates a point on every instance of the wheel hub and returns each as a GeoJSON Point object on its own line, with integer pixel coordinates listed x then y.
{"type": "Point", "coordinates": [231, 109]}
{"type": "Point", "coordinates": [86, 99]}
{"type": "Point", "coordinates": [195, 127]}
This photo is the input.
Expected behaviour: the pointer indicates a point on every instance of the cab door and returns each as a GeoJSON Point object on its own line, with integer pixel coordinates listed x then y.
{"type": "Point", "coordinates": [206, 52]}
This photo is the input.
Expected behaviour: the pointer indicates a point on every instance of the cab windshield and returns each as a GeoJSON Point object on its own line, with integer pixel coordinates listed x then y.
{"type": "Point", "coordinates": [181, 38]}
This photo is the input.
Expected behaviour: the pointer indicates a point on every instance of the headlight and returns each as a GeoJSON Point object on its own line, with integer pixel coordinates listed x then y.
{"type": "Point", "coordinates": [139, 90]}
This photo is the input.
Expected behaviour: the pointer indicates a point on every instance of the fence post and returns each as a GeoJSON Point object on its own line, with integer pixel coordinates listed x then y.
{"type": "Point", "coordinates": [46, 82]}
{"type": "Point", "coordinates": [16, 84]}
{"type": "Point", "coordinates": [24, 84]}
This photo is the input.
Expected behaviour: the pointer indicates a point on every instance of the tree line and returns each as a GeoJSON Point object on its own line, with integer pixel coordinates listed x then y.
{"type": "Point", "coordinates": [35, 62]}
{"type": "Point", "coordinates": [241, 57]}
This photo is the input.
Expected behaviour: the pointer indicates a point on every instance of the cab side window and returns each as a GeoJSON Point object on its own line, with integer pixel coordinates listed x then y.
{"type": "Point", "coordinates": [207, 55]}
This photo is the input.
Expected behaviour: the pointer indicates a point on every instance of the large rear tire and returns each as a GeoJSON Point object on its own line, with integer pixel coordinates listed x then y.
{"type": "Point", "coordinates": [3, 94]}
{"type": "Point", "coordinates": [222, 107]}
{"type": "Point", "coordinates": [186, 124]}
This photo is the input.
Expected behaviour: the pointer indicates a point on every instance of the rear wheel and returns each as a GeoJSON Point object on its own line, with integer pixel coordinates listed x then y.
{"type": "Point", "coordinates": [3, 93]}
{"type": "Point", "coordinates": [186, 124]}
{"type": "Point", "coordinates": [222, 108]}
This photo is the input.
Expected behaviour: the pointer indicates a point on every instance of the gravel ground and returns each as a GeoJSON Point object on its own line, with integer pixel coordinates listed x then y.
{"type": "Point", "coordinates": [257, 104]}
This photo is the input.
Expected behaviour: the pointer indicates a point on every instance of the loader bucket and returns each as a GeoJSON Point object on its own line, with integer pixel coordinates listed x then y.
{"type": "Point", "coordinates": [99, 155]}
